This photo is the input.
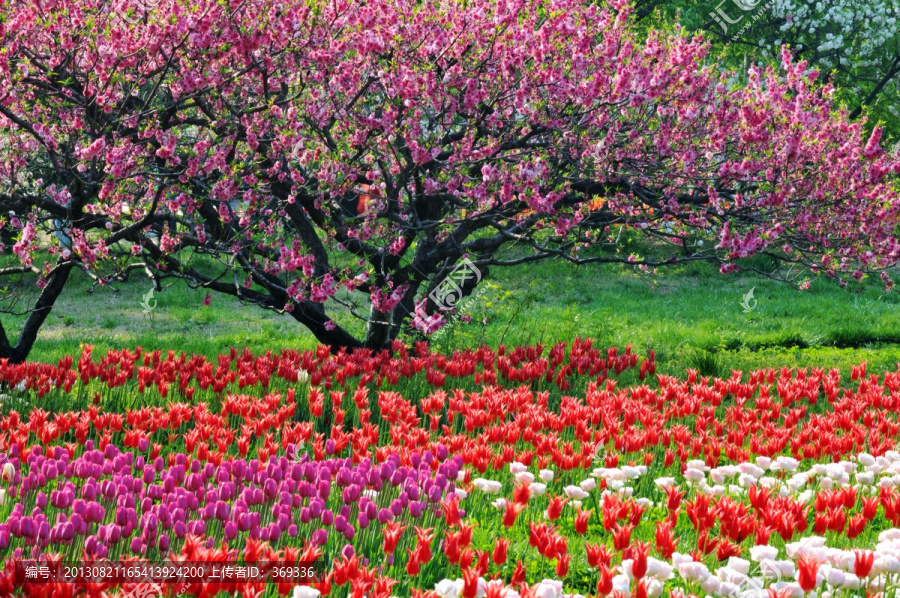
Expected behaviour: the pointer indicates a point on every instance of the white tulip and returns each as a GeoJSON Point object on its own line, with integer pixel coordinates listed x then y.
{"type": "Point", "coordinates": [621, 584]}
{"type": "Point", "coordinates": [745, 480]}
{"type": "Point", "coordinates": [740, 565]}
{"type": "Point", "coordinates": [516, 467]}
{"type": "Point", "coordinates": [306, 592]}
{"type": "Point", "coordinates": [695, 475]}
{"type": "Point", "coordinates": [865, 477]}
{"type": "Point", "coordinates": [8, 472]}
{"type": "Point", "coordinates": [632, 473]}
{"type": "Point", "coordinates": [447, 588]}
{"type": "Point", "coordinates": [523, 477]}
{"type": "Point", "coordinates": [575, 492]}
{"type": "Point", "coordinates": [658, 569]}
{"type": "Point", "coordinates": [488, 486]}
{"type": "Point", "coordinates": [653, 587]}
{"type": "Point", "coordinates": [763, 553]}
{"type": "Point", "coordinates": [548, 588]}
{"type": "Point", "coordinates": [751, 469]}
{"type": "Point", "coordinates": [711, 585]}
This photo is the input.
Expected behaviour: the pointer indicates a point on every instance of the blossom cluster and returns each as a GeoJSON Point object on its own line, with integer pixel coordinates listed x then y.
{"type": "Point", "coordinates": [245, 131]}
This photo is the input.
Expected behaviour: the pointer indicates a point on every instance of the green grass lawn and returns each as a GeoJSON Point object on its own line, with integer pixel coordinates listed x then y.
{"type": "Point", "coordinates": [691, 315]}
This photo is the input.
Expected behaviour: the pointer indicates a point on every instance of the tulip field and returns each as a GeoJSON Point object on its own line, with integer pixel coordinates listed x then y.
{"type": "Point", "coordinates": [498, 472]}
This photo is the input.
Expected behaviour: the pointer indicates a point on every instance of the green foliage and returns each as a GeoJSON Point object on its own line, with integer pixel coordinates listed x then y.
{"type": "Point", "coordinates": [705, 362]}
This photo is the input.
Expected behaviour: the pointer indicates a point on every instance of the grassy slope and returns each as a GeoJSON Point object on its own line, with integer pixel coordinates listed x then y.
{"type": "Point", "coordinates": [690, 315]}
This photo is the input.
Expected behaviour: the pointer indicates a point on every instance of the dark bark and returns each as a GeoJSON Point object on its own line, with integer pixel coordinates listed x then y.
{"type": "Point", "coordinates": [49, 294]}
{"type": "Point", "coordinates": [892, 72]}
{"type": "Point", "coordinates": [380, 331]}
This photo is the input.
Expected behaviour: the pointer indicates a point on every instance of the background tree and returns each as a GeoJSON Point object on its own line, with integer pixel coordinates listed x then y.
{"type": "Point", "coordinates": [337, 161]}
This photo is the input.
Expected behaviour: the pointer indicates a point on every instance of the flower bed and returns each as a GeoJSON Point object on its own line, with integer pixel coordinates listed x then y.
{"type": "Point", "coordinates": [509, 472]}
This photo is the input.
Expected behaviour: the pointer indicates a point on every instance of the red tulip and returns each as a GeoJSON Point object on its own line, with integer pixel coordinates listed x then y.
{"type": "Point", "coordinates": [522, 493]}
{"type": "Point", "coordinates": [870, 508]}
{"type": "Point", "coordinates": [621, 537]}
{"type": "Point", "coordinates": [510, 512]}
{"type": "Point", "coordinates": [562, 566]}
{"type": "Point", "coordinates": [324, 586]}
{"type": "Point", "coordinates": [518, 576]}
{"type": "Point", "coordinates": [412, 565]}
{"type": "Point", "coordinates": [423, 543]}
{"type": "Point", "coordinates": [495, 590]}
{"type": "Point", "coordinates": [470, 584]}
{"type": "Point", "coordinates": [554, 509]}
{"type": "Point", "coordinates": [451, 510]}
{"type": "Point", "coordinates": [581, 521]}
{"type": "Point", "coordinates": [640, 590]}
{"type": "Point", "coordinates": [726, 550]}
{"type": "Point", "coordinates": [392, 531]}
{"type": "Point", "coordinates": [820, 524]}
{"type": "Point", "coordinates": [639, 554]}
{"type": "Point", "coordinates": [807, 568]}
{"type": "Point", "coordinates": [465, 534]}
{"type": "Point", "coordinates": [501, 546]}
{"type": "Point", "coordinates": [466, 558]}
{"type": "Point", "coordinates": [598, 556]}
{"type": "Point", "coordinates": [345, 570]}
{"type": "Point", "coordinates": [673, 498]}
{"type": "Point", "coordinates": [383, 586]}
{"type": "Point", "coordinates": [762, 534]}
{"type": "Point", "coordinates": [856, 527]}
{"type": "Point", "coordinates": [862, 564]}
{"type": "Point", "coordinates": [666, 543]}
{"type": "Point", "coordinates": [605, 583]}
{"type": "Point", "coordinates": [668, 459]}
{"type": "Point", "coordinates": [483, 563]}
{"type": "Point", "coordinates": [451, 547]}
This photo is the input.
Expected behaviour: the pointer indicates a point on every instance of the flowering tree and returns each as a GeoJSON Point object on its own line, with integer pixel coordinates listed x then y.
{"type": "Point", "coordinates": [337, 160]}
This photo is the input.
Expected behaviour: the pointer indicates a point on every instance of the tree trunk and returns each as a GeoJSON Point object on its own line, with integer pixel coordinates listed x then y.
{"type": "Point", "coordinates": [379, 331]}
{"type": "Point", "coordinates": [317, 323]}
{"type": "Point", "coordinates": [37, 317]}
